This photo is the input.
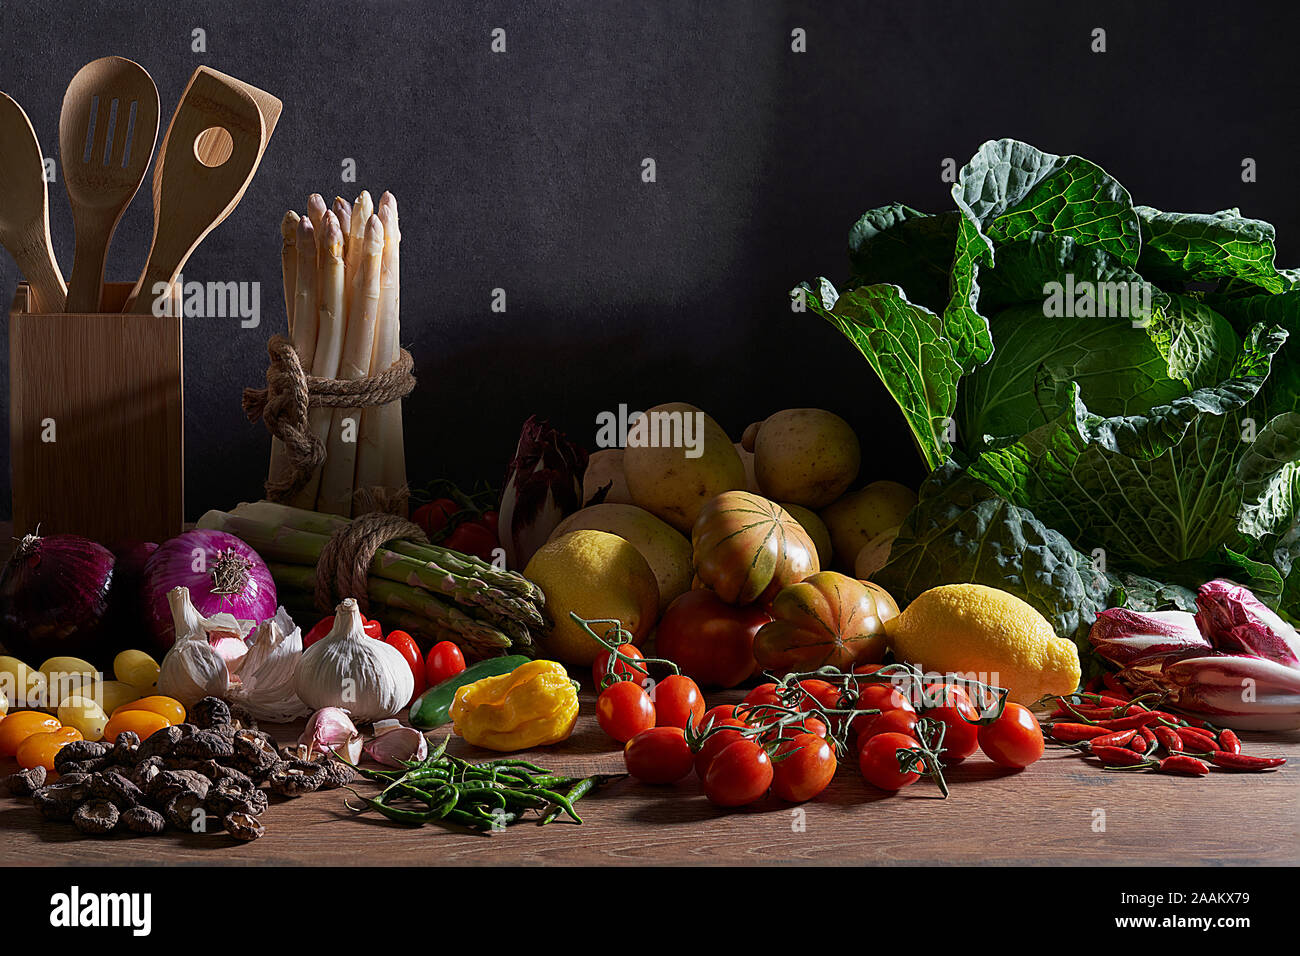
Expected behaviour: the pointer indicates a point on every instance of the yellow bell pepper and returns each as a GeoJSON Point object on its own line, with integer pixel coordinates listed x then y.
{"type": "Point", "coordinates": [534, 705]}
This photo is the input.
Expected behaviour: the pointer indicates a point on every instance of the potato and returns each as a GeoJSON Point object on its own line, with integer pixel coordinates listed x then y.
{"type": "Point", "coordinates": [663, 479]}
{"type": "Point", "coordinates": [861, 515]}
{"type": "Point", "coordinates": [816, 529]}
{"type": "Point", "coordinates": [807, 456]}
{"type": "Point", "coordinates": [665, 549]}
{"type": "Point", "coordinates": [605, 467]}
{"type": "Point", "coordinates": [747, 459]}
{"type": "Point", "coordinates": [751, 435]}
{"type": "Point", "coordinates": [874, 554]}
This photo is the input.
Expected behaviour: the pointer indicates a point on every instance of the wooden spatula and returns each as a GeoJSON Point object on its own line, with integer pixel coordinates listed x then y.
{"type": "Point", "coordinates": [25, 208]}
{"type": "Point", "coordinates": [208, 157]}
{"type": "Point", "coordinates": [107, 132]}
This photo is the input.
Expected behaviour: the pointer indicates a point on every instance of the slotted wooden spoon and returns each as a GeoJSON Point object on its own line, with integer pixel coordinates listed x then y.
{"type": "Point", "coordinates": [25, 208]}
{"type": "Point", "coordinates": [107, 132]}
{"type": "Point", "coordinates": [211, 150]}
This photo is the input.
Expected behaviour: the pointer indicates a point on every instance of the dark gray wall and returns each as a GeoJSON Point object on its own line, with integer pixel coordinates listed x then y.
{"type": "Point", "coordinates": [522, 170]}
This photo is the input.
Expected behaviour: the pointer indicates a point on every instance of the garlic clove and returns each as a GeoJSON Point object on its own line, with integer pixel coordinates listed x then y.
{"type": "Point", "coordinates": [269, 672]}
{"type": "Point", "coordinates": [396, 745]}
{"type": "Point", "coordinates": [331, 730]}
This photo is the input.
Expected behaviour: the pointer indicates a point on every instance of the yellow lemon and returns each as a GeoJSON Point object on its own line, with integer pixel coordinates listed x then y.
{"type": "Point", "coordinates": [596, 575]}
{"type": "Point", "coordinates": [977, 630]}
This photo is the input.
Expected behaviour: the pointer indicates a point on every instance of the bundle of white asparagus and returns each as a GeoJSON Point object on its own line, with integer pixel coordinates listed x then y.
{"type": "Point", "coordinates": [341, 285]}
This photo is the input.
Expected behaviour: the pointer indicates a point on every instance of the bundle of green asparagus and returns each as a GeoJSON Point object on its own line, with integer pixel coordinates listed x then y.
{"type": "Point", "coordinates": [426, 590]}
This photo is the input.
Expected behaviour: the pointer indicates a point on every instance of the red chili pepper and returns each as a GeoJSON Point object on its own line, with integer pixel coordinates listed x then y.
{"type": "Point", "coordinates": [1138, 743]}
{"type": "Point", "coordinates": [1183, 764]}
{"type": "Point", "coordinates": [1118, 756]}
{"type": "Point", "coordinates": [1130, 721]}
{"type": "Point", "coordinates": [1245, 763]}
{"type": "Point", "coordinates": [1168, 737]}
{"type": "Point", "coordinates": [1120, 738]}
{"type": "Point", "coordinates": [1104, 700]}
{"type": "Point", "coordinates": [1073, 733]}
{"type": "Point", "coordinates": [1196, 722]}
{"type": "Point", "coordinates": [1229, 742]}
{"type": "Point", "coordinates": [1148, 740]}
{"type": "Point", "coordinates": [1198, 740]}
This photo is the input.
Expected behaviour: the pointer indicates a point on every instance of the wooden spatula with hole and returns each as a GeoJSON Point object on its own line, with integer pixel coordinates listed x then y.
{"type": "Point", "coordinates": [25, 208]}
{"type": "Point", "coordinates": [209, 155]}
{"type": "Point", "coordinates": [107, 132]}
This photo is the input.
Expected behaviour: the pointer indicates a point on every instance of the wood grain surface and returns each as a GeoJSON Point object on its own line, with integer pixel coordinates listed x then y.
{"type": "Point", "coordinates": [113, 386]}
{"type": "Point", "coordinates": [1044, 815]}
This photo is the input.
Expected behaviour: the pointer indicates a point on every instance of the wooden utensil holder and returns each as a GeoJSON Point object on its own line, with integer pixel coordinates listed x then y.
{"type": "Point", "coordinates": [96, 421]}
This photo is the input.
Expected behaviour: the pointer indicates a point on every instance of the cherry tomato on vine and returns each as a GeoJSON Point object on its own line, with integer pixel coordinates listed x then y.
{"type": "Point", "coordinates": [623, 710]}
{"type": "Point", "coordinates": [600, 666]}
{"type": "Point", "coordinates": [659, 755]}
{"type": "Point", "coordinates": [490, 520]}
{"type": "Point", "coordinates": [414, 659]}
{"type": "Point", "coordinates": [739, 775]}
{"type": "Point", "coordinates": [716, 742]}
{"type": "Point", "coordinates": [678, 701]}
{"type": "Point", "coordinates": [881, 697]}
{"type": "Point", "coordinates": [944, 695]}
{"type": "Point", "coordinates": [809, 725]}
{"type": "Point", "coordinates": [878, 761]}
{"type": "Point", "coordinates": [961, 737]}
{"type": "Point", "coordinates": [326, 624]}
{"type": "Point", "coordinates": [1014, 739]}
{"type": "Point", "coordinates": [806, 772]}
{"type": "Point", "coordinates": [720, 712]}
{"type": "Point", "coordinates": [445, 661]}
{"type": "Point", "coordinates": [473, 539]}
{"type": "Point", "coordinates": [824, 692]}
{"type": "Point", "coordinates": [434, 516]}
{"type": "Point", "coordinates": [889, 722]}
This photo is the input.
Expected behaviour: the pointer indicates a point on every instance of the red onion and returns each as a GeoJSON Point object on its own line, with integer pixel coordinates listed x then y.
{"type": "Point", "coordinates": [222, 573]}
{"type": "Point", "coordinates": [55, 597]}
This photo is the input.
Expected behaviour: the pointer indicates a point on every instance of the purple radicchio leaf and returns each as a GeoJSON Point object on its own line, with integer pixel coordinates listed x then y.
{"type": "Point", "coordinates": [543, 486]}
{"type": "Point", "coordinates": [1237, 622]}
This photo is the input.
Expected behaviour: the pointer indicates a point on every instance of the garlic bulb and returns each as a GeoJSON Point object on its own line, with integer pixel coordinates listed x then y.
{"type": "Point", "coordinates": [268, 677]}
{"type": "Point", "coordinates": [367, 678]}
{"type": "Point", "coordinates": [192, 668]}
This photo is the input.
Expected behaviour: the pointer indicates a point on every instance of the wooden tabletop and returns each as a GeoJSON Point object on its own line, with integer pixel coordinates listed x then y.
{"type": "Point", "coordinates": [1062, 810]}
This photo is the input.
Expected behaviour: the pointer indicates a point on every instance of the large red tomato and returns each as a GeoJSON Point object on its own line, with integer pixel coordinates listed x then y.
{"type": "Point", "coordinates": [709, 639]}
{"type": "Point", "coordinates": [827, 619]}
{"type": "Point", "coordinates": [747, 548]}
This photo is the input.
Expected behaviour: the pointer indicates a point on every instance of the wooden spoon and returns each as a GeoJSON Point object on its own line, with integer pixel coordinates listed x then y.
{"type": "Point", "coordinates": [208, 157]}
{"type": "Point", "coordinates": [25, 208]}
{"type": "Point", "coordinates": [107, 133]}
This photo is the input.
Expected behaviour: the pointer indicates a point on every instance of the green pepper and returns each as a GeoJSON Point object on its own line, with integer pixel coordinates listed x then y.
{"type": "Point", "coordinates": [433, 707]}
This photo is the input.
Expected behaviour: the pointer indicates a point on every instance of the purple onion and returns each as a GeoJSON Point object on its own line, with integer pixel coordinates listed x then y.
{"type": "Point", "coordinates": [222, 574]}
{"type": "Point", "coordinates": [55, 597]}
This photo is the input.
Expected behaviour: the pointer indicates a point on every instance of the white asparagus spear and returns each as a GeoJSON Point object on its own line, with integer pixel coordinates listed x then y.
{"type": "Point", "coordinates": [304, 326]}
{"type": "Point", "coordinates": [304, 305]}
{"type": "Point", "coordinates": [342, 210]}
{"type": "Point", "coordinates": [316, 212]}
{"type": "Point", "coordinates": [362, 210]}
{"type": "Point", "coordinates": [289, 261]}
{"type": "Point", "coordinates": [381, 459]}
{"type": "Point", "coordinates": [339, 474]}
{"type": "Point", "coordinates": [329, 341]}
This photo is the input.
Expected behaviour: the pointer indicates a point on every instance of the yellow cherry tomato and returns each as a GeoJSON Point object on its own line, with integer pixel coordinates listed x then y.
{"type": "Point", "coordinates": [112, 694]}
{"type": "Point", "coordinates": [137, 669]}
{"type": "Point", "coordinates": [20, 725]}
{"type": "Point", "coordinates": [142, 723]}
{"type": "Point", "coordinates": [39, 750]}
{"type": "Point", "coordinates": [172, 710]}
{"type": "Point", "coordinates": [23, 686]}
{"type": "Point", "coordinates": [85, 715]}
{"type": "Point", "coordinates": [67, 677]}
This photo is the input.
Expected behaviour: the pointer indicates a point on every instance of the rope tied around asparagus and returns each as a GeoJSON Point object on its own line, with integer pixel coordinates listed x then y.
{"type": "Point", "coordinates": [343, 569]}
{"type": "Point", "coordinates": [290, 392]}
